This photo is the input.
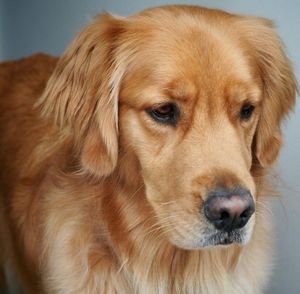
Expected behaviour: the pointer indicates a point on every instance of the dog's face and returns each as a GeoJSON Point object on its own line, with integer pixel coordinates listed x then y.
{"type": "Point", "coordinates": [189, 109]}
{"type": "Point", "coordinates": [199, 100]}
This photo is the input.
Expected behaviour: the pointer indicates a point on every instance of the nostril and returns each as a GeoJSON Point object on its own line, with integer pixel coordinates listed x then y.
{"type": "Point", "coordinates": [224, 215]}
{"type": "Point", "coordinates": [246, 213]}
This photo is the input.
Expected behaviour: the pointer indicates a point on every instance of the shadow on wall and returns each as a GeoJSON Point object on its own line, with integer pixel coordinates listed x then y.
{"type": "Point", "coordinates": [12, 286]}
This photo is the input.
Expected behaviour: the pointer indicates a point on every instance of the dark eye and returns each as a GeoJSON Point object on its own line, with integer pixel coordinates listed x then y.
{"type": "Point", "coordinates": [166, 113]}
{"type": "Point", "coordinates": [246, 111]}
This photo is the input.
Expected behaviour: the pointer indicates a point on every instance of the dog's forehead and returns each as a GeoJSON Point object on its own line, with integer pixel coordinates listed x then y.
{"type": "Point", "coordinates": [184, 62]}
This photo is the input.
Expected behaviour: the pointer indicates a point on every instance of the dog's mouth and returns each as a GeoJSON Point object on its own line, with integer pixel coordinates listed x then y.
{"type": "Point", "coordinates": [226, 238]}
{"type": "Point", "coordinates": [211, 237]}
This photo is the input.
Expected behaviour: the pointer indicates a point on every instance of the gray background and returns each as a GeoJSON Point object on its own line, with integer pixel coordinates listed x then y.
{"type": "Point", "coordinates": [29, 26]}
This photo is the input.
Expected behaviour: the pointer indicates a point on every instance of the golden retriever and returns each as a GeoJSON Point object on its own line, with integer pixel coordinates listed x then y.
{"type": "Point", "coordinates": [137, 161]}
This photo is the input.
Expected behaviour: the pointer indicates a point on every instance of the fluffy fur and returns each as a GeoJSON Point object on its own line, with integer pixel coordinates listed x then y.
{"type": "Point", "coordinates": [97, 197]}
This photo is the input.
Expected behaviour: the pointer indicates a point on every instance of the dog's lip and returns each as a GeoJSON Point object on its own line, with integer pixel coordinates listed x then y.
{"type": "Point", "coordinates": [226, 241]}
{"type": "Point", "coordinates": [225, 238]}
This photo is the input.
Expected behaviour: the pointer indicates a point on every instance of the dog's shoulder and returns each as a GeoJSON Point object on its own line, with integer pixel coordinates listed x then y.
{"type": "Point", "coordinates": [31, 69]}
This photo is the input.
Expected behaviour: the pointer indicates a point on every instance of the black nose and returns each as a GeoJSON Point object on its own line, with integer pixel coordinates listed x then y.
{"type": "Point", "coordinates": [229, 210]}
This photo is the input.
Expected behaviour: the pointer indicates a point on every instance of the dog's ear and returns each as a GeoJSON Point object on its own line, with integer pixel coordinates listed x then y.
{"type": "Point", "coordinates": [278, 83]}
{"type": "Point", "coordinates": [82, 93]}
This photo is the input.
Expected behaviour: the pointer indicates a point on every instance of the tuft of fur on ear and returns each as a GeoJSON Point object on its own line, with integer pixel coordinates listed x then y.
{"type": "Point", "coordinates": [278, 82]}
{"type": "Point", "coordinates": [82, 93]}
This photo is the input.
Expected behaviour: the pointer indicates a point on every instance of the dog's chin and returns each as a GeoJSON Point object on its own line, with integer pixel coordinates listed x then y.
{"type": "Point", "coordinates": [214, 239]}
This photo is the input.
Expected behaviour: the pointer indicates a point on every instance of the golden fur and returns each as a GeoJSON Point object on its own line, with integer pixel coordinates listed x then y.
{"type": "Point", "coordinates": [97, 197]}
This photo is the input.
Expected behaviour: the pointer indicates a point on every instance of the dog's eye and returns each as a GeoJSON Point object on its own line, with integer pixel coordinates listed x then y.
{"type": "Point", "coordinates": [246, 111]}
{"type": "Point", "coordinates": [166, 113]}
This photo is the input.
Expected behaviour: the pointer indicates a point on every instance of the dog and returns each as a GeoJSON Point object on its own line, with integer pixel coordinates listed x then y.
{"type": "Point", "coordinates": [137, 162]}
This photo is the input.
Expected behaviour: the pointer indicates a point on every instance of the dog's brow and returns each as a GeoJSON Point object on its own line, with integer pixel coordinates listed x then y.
{"type": "Point", "coordinates": [182, 92]}
{"type": "Point", "coordinates": [242, 92]}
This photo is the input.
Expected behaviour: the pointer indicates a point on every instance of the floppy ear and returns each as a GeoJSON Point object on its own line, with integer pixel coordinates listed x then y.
{"type": "Point", "coordinates": [278, 83]}
{"type": "Point", "coordinates": [82, 94]}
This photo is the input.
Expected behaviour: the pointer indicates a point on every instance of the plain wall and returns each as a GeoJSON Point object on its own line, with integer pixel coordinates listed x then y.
{"type": "Point", "coordinates": [32, 26]}
{"type": "Point", "coordinates": [2, 21]}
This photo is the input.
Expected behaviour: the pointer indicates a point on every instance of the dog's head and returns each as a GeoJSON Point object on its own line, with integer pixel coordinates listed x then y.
{"type": "Point", "coordinates": [195, 96]}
